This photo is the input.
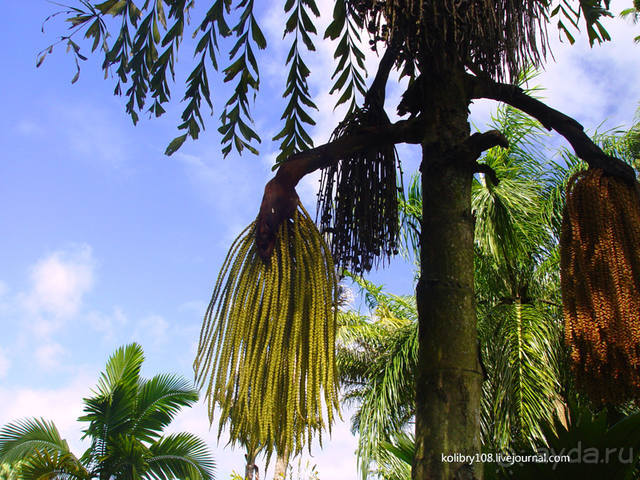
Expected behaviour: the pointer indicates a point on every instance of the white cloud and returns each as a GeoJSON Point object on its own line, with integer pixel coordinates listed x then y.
{"type": "Point", "coordinates": [107, 324]}
{"type": "Point", "coordinates": [49, 355]}
{"type": "Point", "coordinates": [61, 405]}
{"type": "Point", "coordinates": [5, 363]}
{"type": "Point", "coordinates": [28, 128]}
{"type": "Point", "coordinates": [334, 460]}
{"type": "Point", "coordinates": [153, 327]}
{"type": "Point", "coordinates": [59, 282]}
{"type": "Point", "coordinates": [593, 84]}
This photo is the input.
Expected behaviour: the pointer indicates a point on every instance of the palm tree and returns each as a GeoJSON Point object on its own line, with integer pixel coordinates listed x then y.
{"type": "Point", "coordinates": [518, 307]}
{"type": "Point", "coordinates": [517, 288]}
{"type": "Point", "coordinates": [125, 418]}
{"type": "Point", "coordinates": [517, 223]}
{"type": "Point", "coordinates": [376, 361]}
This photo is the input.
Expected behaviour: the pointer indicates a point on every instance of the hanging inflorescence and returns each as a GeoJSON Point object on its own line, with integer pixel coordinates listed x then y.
{"type": "Point", "coordinates": [266, 351]}
{"type": "Point", "coordinates": [358, 199]}
{"type": "Point", "coordinates": [600, 270]}
{"type": "Point", "coordinates": [498, 37]}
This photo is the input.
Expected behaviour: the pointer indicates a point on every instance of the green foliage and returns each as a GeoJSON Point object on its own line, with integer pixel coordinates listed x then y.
{"type": "Point", "coordinates": [140, 42]}
{"type": "Point", "coordinates": [410, 207]}
{"type": "Point", "coordinates": [144, 49]}
{"type": "Point", "coordinates": [293, 134]}
{"type": "Point", "coordinates": [517, 287]}
{"type": "Point", "coordinates": [397, 456]}
{"type": "Point", "coordinates": [591, 10]}
{"type": "Point", "coordinates": [125, 417]}
{"type": "Point", "coordinates": [8, 471]}
{"type": "Point", "coordinates": [376, 361]}
{"type": "Point", "coordinates": [595, 448]}
{"type": "Point", "coordinates": [236, 117]}
{"type": "Point", "coordinates": [350, 70]}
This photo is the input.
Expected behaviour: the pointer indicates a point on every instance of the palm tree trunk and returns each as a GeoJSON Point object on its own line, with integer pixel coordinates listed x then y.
{"type": "Point", "coordinates": [251, 471]}
{"type": "Point", "coordinates": [448, 388]}
{"type": "Point", "coordinates": [280, 471]}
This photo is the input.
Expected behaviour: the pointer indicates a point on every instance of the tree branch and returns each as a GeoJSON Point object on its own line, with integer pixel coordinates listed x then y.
{"type": "Point", "coordinates": [280, 199]}
{"type": "Point", "coordinates": [467, 152]}
{"type": "Point", "coordinates": [566, 126]}
{"type": "Point", "coordinates": [376, 93]}
{"type": "Point", "coordinates": [479, 142]}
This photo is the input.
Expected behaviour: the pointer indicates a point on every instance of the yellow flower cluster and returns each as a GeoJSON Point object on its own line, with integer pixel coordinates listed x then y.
{"type": "Point", "coordinates": [600, 270]}
{"type": "Point", "coordinates": [266, 349]}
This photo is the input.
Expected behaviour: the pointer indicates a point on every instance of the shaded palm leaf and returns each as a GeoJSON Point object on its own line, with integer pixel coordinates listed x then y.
{"type": "Point", "coordinates": [126, 457]}
{"type": "Point", "coordinates": [519, 345]}
{"type": "Point", "coordinates": [397, 457]}
{"type": "Point", "coordinates": [50, 465]}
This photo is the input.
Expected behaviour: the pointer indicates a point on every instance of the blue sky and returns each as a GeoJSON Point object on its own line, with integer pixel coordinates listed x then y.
{"type": "Point", "coordinates": [106, 241]}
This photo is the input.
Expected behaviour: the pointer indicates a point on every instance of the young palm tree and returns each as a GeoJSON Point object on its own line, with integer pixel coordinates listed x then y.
{"type": "Point", "coordinates": [517, 288]}
{"type": "Point", "coordinates": [125, 418]}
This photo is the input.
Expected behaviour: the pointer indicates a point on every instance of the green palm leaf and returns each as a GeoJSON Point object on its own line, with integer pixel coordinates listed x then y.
{"type": "Point", "coordinates": [182, 456]}
{"type": "Point", "coordinates": [123, 369]}
{"type": "Point", "coordinates": [158, 401]}
{"type": "Point", "coordinates": [519, 344]}
{"type": "Point", "coordinates": [126, 457]}
{"type": "Point", "coordinates": [24, 437]}
{"type": "Point", "coordinates": [108, 411]}
{"type": "Point", "coordinates": [48, 465]}
{"type": "Point", "coordinates": [376, 359]}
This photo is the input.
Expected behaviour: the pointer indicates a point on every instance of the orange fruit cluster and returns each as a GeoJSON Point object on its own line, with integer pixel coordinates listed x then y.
{"type": "Point", "coordinates": [600, 271]}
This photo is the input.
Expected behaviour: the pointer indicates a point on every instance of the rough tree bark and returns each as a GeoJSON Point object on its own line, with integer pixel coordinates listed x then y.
{"type": "Point", "coordinates": [448, 378]}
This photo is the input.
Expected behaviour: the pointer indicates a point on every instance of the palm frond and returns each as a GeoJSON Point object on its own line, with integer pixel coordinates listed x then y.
{"type": "Point", "coordinates": [125, 457]}
{"type": "Point", "coordinates": [158, 401]}
{"type": "Point", "coordinates": [108, 414]}
{"type": "Point", "coordinates": [519, 343]}
{"type": "Point", "coordinates": [376, 361]}
{"type": "Point", "coordinates": [397, 457]}
{"type": "Point", "coordinates": [180, 455]}
{"type": "Point", "coordinates": [123, 369]}
{"type": "Point", "coordinates": [19, 440]}
{"type": "Point", "coordinates": [51, 465]}
{"type": "Point", "coordinates": [411, 218]}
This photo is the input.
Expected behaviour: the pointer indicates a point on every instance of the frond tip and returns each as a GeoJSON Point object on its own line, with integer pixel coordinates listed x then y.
{"type": "Point", "coordinates": [266, 348]}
